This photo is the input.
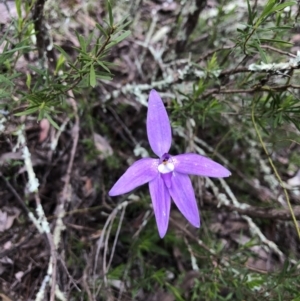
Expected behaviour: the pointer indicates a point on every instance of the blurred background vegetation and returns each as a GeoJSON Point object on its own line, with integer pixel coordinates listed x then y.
{"type": "Point", "coordinates": [74, 82]}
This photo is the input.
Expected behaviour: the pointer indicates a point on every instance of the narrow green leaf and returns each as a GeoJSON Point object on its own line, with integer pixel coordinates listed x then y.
{"type": "Point", "coordinates": [41, 113]}
{"type": "Point", "coordinates": [282, 6]}
{"type": "Point", "coordinates": [74, 67]}
{"type": "Point", "coordinates": [28, 80]}
{"type": "Point", "coordinates": [52, 122]}
{"type": "Point", "coordinates": [17, 49]}
{"type": "Point", "coordinates": [103, 66]}
{"type": "Point", "coordinates": [62, 51]}
{"type": "Point", "coordinates": [174, 290]}
{"type": "Point", "coordinates": [267, 10]}
{"type": "Point", "coordinates": [110, 14]}
{"type": "Point", "coordinates": [106, 22]}
{"type": "Point", "coordinates": [262, 53]}
{"type": "Point", "coordinates": [59, 63]}
{"type": "Point", "coordinates": [92, 77]}
{"type": "Point", "coordinates": [250, 16]}
{"type": "Point", "coordinates": [122, 24]}
{"type": "Point", "coordinates": [37, 70]}
{"type": "Point", "coordinates": [104, 77]}
{"type": "Point", "coordinates": [276, 28]}
{"type": "Point", "coordinates": [19, 8]}
{"type": "Point", "coordinates": [102, 30]}
{"type": "Point", "coordinates": [81, 41]}
{"type": "Point", "coordinates": [123, 36]}
{"type": "Point", "coordinates": [89, 39]}
{"type": "Point", "coordinates": [276, 41]}
{"type": "Point", "coordinates": [117, 40]}
{"type": "Point", "coordinates": [2, 39]}
{"type": "Point", "coordinates": [30, 110]}
{"type": "Point", "coordinates": [4, 79]}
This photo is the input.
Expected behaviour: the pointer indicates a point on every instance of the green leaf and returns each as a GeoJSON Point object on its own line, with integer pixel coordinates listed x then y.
{"type": "Point", "coordinates": [59, 63]}
{"type": "Point", "coordinates": [282, 6]}
{"type": "Point", "coordinates": [17, 49]}
{"type": "Point", "coordinates": [262, 53]}
{"type": "Point", "coordinates": [267, 10]}
{"type": "Point", "coordinates": [271, 7]}
{"type": "Point", "coordinates": [19, 8]}
{"type": "Point", "coordinates": [5, 80]}
{"type": "Point", "coordinates": [104, 77]}
{"type": "Point", "coordinates": [212, 63]}
{"type": "Point", "coordinates": [30, 110]}
{"type": "Point", "coordinates": [92, 77]}
{"type": "Point", "coordinates": [62, 51]}
{"type": "Point", "coordinates": [122, 24]}
{"type": "Point", "coordinates": [174, 290]}
{"type": "Point", "coordinates": [110, 14]}
{"type": "Point", "coordinates": [250, 16]}
{"type": "Point", "coordinates": [103, 66]}
{"type": "Point", "coordinates": [81, 41]}
{"type": "Point", "coordinates": [115, 41]}
{"type": "Point", "coordinates": [123, 36]}
{"type": "Point", "coordinates": [74, 67]}
{"type": "Point", "coordinates": [53, 123]}
{"type": "Point", "coordinates": [28, 80]}
{"type": "Point", "coordinates": [276, 41]}
{"type": "Point", "coordinates": [102, 30]}
{"type": "Point", "coordinates": [41, 112]}
{"type": "Point", "coordinates": [89, 39]}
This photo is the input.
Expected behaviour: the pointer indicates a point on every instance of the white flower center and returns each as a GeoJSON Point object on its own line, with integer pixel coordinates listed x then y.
{"type": "Point", "coordinates": [165, 167]}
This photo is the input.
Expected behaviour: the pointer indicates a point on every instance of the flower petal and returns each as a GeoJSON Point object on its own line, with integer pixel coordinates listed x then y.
{"type": "Point", "coordinates": [167, 178]}
{"type": "Point", "coordinates": [182, 193]}
{"type": "Point", "coordinates": [161, 202]}
{"type": "Point", "coordinates": [194, 164]}
{"type": "Point", "coordinates": [158, 125]}
{"type": "Point", "coordinates": [139, 173]}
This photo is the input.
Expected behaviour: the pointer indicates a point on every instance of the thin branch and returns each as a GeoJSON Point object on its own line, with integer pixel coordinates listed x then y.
{"type": "Point", "coordinates": [60, 209]}
{"type": "Point", "coordinates": [256, 88]}
{"type": "Point", "coordinates": [278, 50]}
{"type": "Point", "coordinates": [256, 212]}
{"type": "Point", "coordinates": [14, 192]}
{"type": "Point", "coordinates": [211, 52]}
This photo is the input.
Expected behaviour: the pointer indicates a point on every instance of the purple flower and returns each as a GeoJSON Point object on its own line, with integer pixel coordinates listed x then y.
{"type": "Point", "coordinates": [167, 176]}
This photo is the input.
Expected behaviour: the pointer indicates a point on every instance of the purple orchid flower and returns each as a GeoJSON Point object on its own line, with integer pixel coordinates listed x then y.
{"type": "Point", "coordinates": [167, 176]}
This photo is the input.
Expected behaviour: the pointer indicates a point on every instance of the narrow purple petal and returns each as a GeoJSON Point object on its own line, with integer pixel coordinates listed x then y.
{"type": "Point", "coordinates": [182, 193]}
{"type": "Point", "coordinates": [167, 178]}
{"type": "Point", "coordinates": [194, 164]}
{"type": "Point", "coordinates": [158, 125]}
{"type": "Point", "coordinates": [139, 173]}
{"type": "Point", "coordinates": [161, 202]}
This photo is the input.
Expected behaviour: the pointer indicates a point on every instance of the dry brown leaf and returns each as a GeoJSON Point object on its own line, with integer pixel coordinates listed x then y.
{"type": "Point", "coordinates": [6, 219]}
{"type": "Point", "coordinates": [88, 187]}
